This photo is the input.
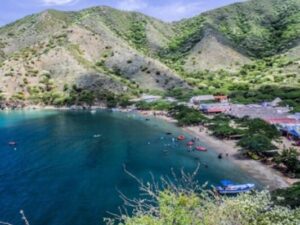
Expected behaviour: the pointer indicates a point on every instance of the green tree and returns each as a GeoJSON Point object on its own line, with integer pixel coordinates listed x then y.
{"type": "Point", "coordinates": [111, 101]}
{"type": "Point", "coordinates": [289, 157]}
{"type": "Point", "coordinates": [256, 143]}
{"type": "Point", "coordinates": [87, 97]}
{"type": "Point", "coordinates": [259, 126]}
{"type": "Point", "coordinates": [289, 196]}
{"type": "Point", "coordinates": [223, 130]}
{"type": "Point", "coordinates": [187, 116]}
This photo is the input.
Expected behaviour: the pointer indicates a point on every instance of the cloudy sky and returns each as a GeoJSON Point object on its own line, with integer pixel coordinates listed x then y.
{"type": "Point", "coordinates": [167, 10]}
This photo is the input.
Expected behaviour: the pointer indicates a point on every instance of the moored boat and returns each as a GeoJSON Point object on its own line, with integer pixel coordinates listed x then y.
{"type": "Point", "coordinates": [190, 143]}
{"type": "Point", "coordinates": [228, 187]}
{"type": "Point", "coordinates": [181, 138]}
{"type": "Point", "coordinates": [12, 143]}
{"type": "Point", "coordinates": [201, 149]}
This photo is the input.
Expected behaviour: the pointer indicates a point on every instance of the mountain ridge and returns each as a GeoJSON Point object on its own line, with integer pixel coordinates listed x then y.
{"type": "Point", "coordinates": [101, 49]}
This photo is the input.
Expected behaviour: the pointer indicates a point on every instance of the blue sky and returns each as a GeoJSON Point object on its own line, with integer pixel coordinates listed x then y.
{"type": "Point", "coordinates": [167, 10]}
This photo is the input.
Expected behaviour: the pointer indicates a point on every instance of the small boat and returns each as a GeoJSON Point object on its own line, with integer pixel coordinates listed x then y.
{"type": "Point", "coordinates": [168, 133]}
{"type": "Point", "coordinates": [228, 187]}
{"type": "Point", "coordinates": [97, 135]}
{"type": "Point", "coordinates": [190, 143]}
{"type": "Point", "coordinates": [12, 143]}
{"type": "Point", "coordinates": [201, 149]}
{"type": "Point", "coordinates": [181, 138]}
{"type": "Point", "coordinates": [93, 111]}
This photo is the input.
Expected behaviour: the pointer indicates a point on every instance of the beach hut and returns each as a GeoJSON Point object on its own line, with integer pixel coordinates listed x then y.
{"type": "Point", "coordinates": [147, 98]}
{"type": "Point", "coordinates": [215, 107]}
{"type": "Point", "coordinates": [284, 121]}
{"type": "Point", "coordinates": [196, 100]}
{"type": "Point", "coordinates": [295, 132]}
{"type": "Point", "coordinates": [221, 98]}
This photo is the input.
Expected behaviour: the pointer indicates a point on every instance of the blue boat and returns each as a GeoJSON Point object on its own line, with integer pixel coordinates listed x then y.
{"type": "Point", "coordinates": [229, 187]}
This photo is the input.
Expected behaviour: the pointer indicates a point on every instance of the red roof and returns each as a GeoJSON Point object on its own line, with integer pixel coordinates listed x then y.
{"type": "Point", "coordinates": [215, 110]}
{"type": "Point", "coordinates": [220, 97]}
{"type": "Point", "coordinates": [282, 120]}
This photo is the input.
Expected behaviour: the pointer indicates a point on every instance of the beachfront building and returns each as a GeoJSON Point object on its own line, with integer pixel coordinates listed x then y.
{"type": "Point", "coordinates": [288, 126]}
{"type": "Point", "coordinates": [215, 108]}
{"type": "Point", "coordinates": [292, 131]}
{"type": "Point", "coordinates": [221, 98]}
{"type": "Point", "coordinates": [258, 111]}
{"type": "Point", "coordinates": [171, 99]}
{"type": "Point", "coordinates": [196, 100]}
{"type": "Point", "coordinates": [273, 103]}
{"type": "Point", "coordinates": [284, 121]}
{"type": "Point", "coordinates": [295, 132]}
{"type": "Point", "coordinates": [295, 116]}
{"type": "Point", "coordinates": [147, 98]}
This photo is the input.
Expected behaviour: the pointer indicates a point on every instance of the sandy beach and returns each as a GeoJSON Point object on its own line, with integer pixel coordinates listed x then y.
{"type": "Point", "coordinates": [270, 177]}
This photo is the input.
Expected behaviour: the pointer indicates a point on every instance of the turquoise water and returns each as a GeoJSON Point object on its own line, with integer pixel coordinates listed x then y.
{"type": "Point", "coordinates": [62, 174]}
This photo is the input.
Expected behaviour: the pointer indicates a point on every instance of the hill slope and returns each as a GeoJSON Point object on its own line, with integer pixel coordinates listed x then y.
{"type": "Point", "coordinates": [104, 50]}
{"type": "Point", "coordinates": [79, 49]}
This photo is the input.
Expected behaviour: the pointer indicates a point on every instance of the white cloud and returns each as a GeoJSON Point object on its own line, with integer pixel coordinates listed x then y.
{"type": "Point", "coordinates": [58, 2]}
{"type": "Point", "coordinates": [132, 5]}
{"type": "Point", "coordinates": [176, 10]}
{"type": "Point", "coordinates": [167, 12]}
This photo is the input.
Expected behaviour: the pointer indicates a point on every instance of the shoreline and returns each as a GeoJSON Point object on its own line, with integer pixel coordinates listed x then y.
{"type": "Point", "coordinates": [267, 175]}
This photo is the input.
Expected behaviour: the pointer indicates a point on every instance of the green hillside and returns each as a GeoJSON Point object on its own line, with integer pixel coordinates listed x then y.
{"type": "Point", "coordinates": [240, 47]}
{"type": "Point", "coordinates": [261, 27]}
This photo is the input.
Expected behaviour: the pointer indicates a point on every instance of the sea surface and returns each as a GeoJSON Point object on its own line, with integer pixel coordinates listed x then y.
{"type": "Point", "coordinates": [68, 167]}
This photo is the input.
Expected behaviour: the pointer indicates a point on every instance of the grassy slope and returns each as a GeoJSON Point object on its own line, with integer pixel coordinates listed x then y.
{"type": "Point", "coordinates": [98, 41]}
{"type": "Point", "coordinates": [260, 27]}
{"type": "Point", "coordinates": [220, 39]}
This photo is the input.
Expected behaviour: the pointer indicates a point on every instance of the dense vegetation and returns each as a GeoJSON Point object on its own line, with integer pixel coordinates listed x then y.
{"type": "Point", "coordinates": [187, 116]}
{"type": "Point", "coordinates": [266, 30]}
{"type": "Point", "coordinates": [186, 203]}
{"type": "Point", "coordinates": [157, 105]}
{"type": "Point", "coordinates": [289, 158]}
{"type": "Point", "coordinates": [288, 197]}
{"type": "Point", "coordinates": [261, 27]}
{"type": "Point", "coordinates": [262, 80]}
{"type": "Point", "coordinates": [187, 34]}
{"type": "Point", "coordinates": [255, 137]}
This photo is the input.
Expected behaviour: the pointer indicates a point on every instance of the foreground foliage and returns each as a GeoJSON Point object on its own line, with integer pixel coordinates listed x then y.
{"type": "Point", "coordinates": [187, 205]}
{"type": "Point", "coordinates": [288, 197]}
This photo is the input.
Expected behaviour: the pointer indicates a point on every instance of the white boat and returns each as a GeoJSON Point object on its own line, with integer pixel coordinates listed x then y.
{"type": "Point", "coordinates": [228, 187]}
